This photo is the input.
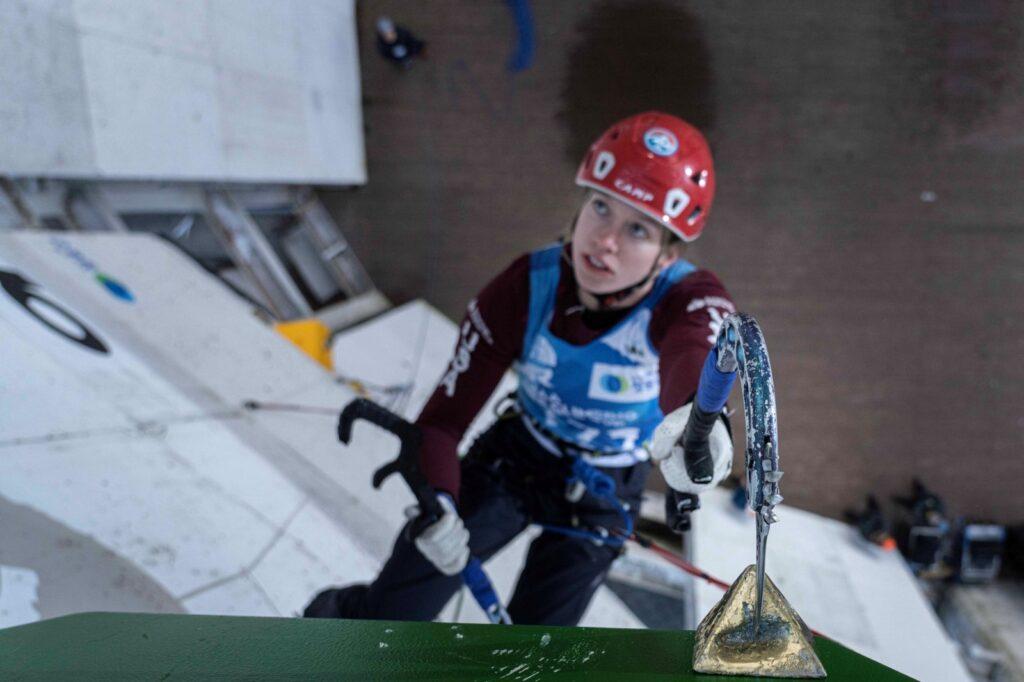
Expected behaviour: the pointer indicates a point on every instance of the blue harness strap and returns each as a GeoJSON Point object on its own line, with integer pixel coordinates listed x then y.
{"type": "Point", "coordinates": [601, 486]}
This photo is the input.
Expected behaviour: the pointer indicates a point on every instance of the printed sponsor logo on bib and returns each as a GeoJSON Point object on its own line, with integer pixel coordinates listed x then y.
{"type": "Point", "coordinates": [623, 383]}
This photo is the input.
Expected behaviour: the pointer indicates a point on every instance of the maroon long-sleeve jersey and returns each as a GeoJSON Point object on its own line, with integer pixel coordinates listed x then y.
{"type": "Point", "coordinates": [683, 327]}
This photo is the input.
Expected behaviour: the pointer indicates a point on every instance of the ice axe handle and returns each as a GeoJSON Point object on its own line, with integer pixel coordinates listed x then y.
{"type": "Point", "coordinates": [407, 463]}
{"type": "Point", "coordinates": [712, 392]}
{"type": "Point", "coordinates": [714, 385]}
{"type": "Point", "coordinates": [480, 587]}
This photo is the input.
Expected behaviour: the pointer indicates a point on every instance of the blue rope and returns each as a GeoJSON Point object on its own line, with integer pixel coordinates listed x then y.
{"type": "Point", "coordinates": [601, 486]}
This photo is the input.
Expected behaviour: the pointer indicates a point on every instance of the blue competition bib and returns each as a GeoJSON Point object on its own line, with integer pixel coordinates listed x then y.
{"type": "Point", "coordinates": [602, 396]}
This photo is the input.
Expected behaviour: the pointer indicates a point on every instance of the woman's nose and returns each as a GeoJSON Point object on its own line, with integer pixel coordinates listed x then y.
{"type": "Point", "coordinates": [607, 238]}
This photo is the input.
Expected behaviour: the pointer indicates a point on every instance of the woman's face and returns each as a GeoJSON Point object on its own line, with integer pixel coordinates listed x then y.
{"type": "Point", "coordinates": [614, 245]}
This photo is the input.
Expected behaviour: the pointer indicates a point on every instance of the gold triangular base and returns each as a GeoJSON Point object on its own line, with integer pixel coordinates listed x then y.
{"type": "Point", "coordinates": [725, 642]}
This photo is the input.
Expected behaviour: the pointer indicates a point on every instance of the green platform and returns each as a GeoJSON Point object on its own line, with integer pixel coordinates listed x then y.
{"type": "Point", "coordinates": [109, 646]}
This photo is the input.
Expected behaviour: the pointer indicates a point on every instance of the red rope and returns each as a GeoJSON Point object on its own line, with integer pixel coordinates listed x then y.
{"type": "Point", "coordinates": [679, 562]}
{"type": "Point", "coordinates": [686, 566]}
{"type": "Point", "coordinates": [288, 407]}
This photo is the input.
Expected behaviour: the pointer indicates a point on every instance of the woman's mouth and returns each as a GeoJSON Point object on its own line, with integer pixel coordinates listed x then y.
{"type": "Point", "coordinates": [596, 264]}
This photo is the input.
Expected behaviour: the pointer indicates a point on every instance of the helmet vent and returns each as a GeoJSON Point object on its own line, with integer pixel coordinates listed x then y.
{"type": "Point", "coordinates": [694, 215]}
{"type": "Point", "coordinates": [675, 201]}
{"type": "Point", "coordinates": [700, 178]}
{"type": "Point", "coordinates": [604, 164]}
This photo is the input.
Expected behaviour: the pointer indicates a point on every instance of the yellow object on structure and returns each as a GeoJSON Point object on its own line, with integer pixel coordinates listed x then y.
{"type": "Point", "coordinates": [310, 336]}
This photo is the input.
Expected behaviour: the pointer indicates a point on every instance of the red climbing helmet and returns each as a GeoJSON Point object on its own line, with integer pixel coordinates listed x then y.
{"type": "Point", "coordinates": [658, 164]}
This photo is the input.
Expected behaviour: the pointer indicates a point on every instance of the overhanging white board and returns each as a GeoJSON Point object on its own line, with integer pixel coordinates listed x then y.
{"type": "Point", "coordinates": [231, 90]}
{"type": "Point", "coordinates": [127, 481]}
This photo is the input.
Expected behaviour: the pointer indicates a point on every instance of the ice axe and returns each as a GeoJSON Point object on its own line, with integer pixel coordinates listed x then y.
{"type": "Point", "coordinates": [408, 466]}
{"type": "Point", "coordinates": [739, 351]}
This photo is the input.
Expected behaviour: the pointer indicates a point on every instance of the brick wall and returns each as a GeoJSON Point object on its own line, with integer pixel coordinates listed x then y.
{"type": "Point", "coordinates": [894, 323]}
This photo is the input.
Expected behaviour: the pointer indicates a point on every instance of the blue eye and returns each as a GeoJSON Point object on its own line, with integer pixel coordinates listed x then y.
{"type": "Point", "coordinates": [600, 207]}
{"type": "Point", "coordinates": [639, 231]}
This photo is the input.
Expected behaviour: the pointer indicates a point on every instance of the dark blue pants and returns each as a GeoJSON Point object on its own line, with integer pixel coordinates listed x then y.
{"type": "Point", "coordinates": [508, 482]}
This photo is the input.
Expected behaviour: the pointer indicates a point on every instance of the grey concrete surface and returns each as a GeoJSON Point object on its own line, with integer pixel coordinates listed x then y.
{"type": "Point", "coordinates": [75, 572]}
{"type": "Point", "coordinates": [869, 210]}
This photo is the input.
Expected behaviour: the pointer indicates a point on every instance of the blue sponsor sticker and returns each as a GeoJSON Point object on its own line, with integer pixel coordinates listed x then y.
{"type": "Point", "coordinates": [623, 383]}
{"type": "Point", "coordinates": [614, 384]}
{"type": "Point", "coordinates": [115, 287]}
{"type": "Point", "coordinates": [660, 141]}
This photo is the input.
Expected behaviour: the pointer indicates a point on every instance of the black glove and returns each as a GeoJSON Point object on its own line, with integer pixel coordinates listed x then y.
{"type": "Point", "coordinates": [677, 510]}
{"type": "Point", "coordinates": [696, 448]}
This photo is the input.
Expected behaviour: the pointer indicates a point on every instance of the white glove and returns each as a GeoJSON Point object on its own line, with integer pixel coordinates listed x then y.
{"type": "Point", "coordinates": [667, 451]}
{"type": "Point", "coordinates": [445, 543]}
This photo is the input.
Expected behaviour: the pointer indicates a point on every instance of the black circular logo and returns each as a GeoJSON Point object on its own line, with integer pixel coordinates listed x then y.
{"type": "Point", "coordinates": [29, 297]}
